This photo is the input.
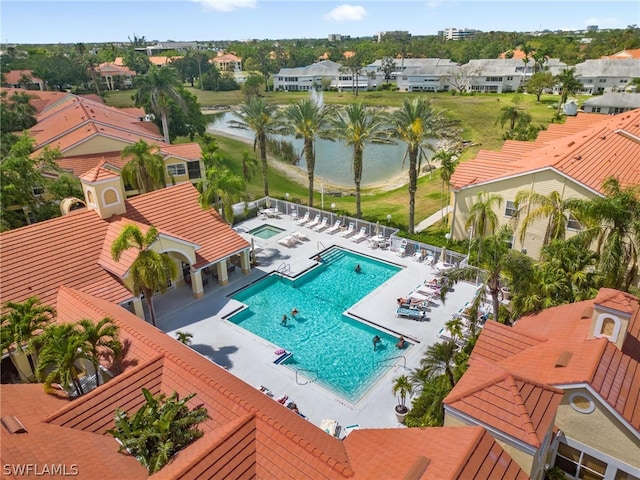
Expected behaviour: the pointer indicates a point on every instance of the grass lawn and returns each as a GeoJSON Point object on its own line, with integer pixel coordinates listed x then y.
{"type": "Point", "coordinates": [476, 115]}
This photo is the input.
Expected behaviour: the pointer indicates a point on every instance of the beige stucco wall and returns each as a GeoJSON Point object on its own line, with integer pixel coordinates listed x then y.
{"type": "Point", "coordinates": [181, 178]}
{"type": "Point", "coordinates": [599, 430]}
{"type": "Point", "coordinates": [97, 144]}
{"type": "Point", "coordinates": [543, 182]}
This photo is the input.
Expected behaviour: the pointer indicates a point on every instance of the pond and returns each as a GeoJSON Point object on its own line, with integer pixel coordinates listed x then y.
{"type": "Point", "coordinates": [333, 159]}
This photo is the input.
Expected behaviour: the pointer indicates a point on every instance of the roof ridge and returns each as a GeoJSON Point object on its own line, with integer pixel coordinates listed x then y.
{"type": "Point", "coordinates": [478, 434]}
{"type": "Point", "coordinates": [523, 413]}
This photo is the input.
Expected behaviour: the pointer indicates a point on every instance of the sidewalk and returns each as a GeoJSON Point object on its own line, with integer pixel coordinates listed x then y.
{"type": "Point", "coordinates": [433, 219]}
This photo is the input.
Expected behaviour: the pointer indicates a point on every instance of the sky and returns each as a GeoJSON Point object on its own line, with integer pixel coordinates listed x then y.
{"type": "Point", "coordinates": [30, 21]}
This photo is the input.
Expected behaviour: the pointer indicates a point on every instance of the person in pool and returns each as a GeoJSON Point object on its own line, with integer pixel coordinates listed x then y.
{"type": "Point", "coordinates": [401, 342]}
{"type": "Point", "coordinates": [358, 269]}
{"type": "Point", "coordinates": [376, 341]}
{"type": "Point", "coordinates": [284, 319]}
{"type": "Point", "coordinates": [294, 312]}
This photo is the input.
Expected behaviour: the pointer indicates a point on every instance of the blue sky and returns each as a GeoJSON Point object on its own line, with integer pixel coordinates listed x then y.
{"type": "Point", "coordinates": [27, 21]}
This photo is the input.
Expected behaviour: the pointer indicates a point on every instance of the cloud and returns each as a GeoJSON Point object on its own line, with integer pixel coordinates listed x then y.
{"type": "Point", "coordinates": [226, 5]}
{"type": "Point", "coordinates": [345, 13]}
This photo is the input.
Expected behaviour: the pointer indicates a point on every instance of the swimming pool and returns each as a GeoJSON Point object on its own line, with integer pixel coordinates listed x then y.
{"type": "Point", "coordinates": [327, 346]}
{"type": "Point", "coordinates": [266, 231]}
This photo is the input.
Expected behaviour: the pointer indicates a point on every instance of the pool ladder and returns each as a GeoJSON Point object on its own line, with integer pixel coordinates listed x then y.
{"type": "Point", "coordinates": [404, 360]}
{"type": "Point", "coordinates": [284, 268]}
{"type": "Point", "coordinates": [305, 370]}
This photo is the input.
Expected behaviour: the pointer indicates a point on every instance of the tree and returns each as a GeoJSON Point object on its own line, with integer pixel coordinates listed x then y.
{"type": "Point", "coordinates": [18, 325]}
{"type": "Point", "coordinates": [387, 67]}
{"type": "Point", "coordinates": [354, 66]}
{"type": "Point", "coordinates": [415, 123]}
{"type": "Point", "coordinates": [17, 112]}
{"type": "Point", "coordinates": [252, 85]}
{"type": "Point", "coordinates": [358, 125]}
{"type": "Point", "coordinates": [62, 347]}
{"type": "Point", "coordinates": [100, 339]}
{"type": "Point", "coordinates": [439, 359]}
{"type": "Point", "coordinates": [482, 217]}
{"type": "Point", "coordinates": [533, 206]}
{"type": "Point", "coordinates": [539, 82]}
{"type": "Point", "coordinates": [616, 229]}
{"type": "Point", "coordinates": [145, 169]}
{"type": "Point", "coordinates": [402, 387]}
{"type": "Point", "coordinates": [150, 271]}
{"type": "Point", "coordinates": [448, 163]}
{"type": "Point", "coordinates": [156, 89]}
{"type": "Point", "coordinates": [159, 429]}
{"type": "Point", "coordinates": [514, 114]}
{"type": "Point", "coordinates": [426, 409]}
{"type": "Point", "coordinates": [463, 77]}
{"type": "Point", "coordinates": [569, 85]}
{"type": "Point", "coordinates": [308, 120]}
{"type": "Point", "coordinates": [255, 114]}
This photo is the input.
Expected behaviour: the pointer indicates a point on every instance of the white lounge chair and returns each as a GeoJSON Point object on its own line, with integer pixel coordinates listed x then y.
{"type": "Point", "coordinates": [401, 252]}
{"type": "Point", "coordinates": [361, 235]}
{"type": "Point", "coordinates": [300, 236]}
{"type": "Point", "coordinates": [334, 228]}
{"type": "Point", "coordinates": [313, 222]}
{"type": "Point", "coordinates": [304, 219]}
{"type": "Point", "coordinates": [322, 225]}
{"type": "Point", "coordinates": [429, 260]}
{"type": "Point", "coordinates": [349, 231]}
{"type": "Point", "coordinates": [417, 256]}
{"type": "Point", "coordinates": [288, 241]}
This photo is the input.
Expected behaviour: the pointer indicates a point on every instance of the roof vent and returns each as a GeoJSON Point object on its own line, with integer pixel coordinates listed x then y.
{"type": "Point", "coordinates": [603, 137]}
{"type": "Point", "coordinates": [571, 144]}
{"type": "Point", "coordinates": [12, 424]}
{"type": "Point", "coordinates": [418, 468]}
{"type": "Point", "coordinates": [563, 359]}
{"type": "Point", "coordinates": [578, 157]}
{"type": "Point", "coordinates": [588, 312]}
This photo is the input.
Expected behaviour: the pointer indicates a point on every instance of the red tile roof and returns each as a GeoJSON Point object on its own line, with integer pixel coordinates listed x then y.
{"type": "Point", "coordinates": [586, 150]}
{"type": "Point", "coordinates": [13, 77]}
{"type": "Point", "coordinates": [249, 435]}
{"type": "Point", "coordinates": [39, 258]}
{"type": "Point", "coordinates": [40, 100]}
{"type": "Point", "coordinates": [553, 347]}
{"type": "Point", "coordinates": [625, 54]}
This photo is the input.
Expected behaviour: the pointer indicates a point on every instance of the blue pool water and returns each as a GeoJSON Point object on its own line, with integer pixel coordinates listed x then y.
{"type": "Point", "coordinates": [327, 346]}
{"type": "Point", "coordinates": [266, 231]}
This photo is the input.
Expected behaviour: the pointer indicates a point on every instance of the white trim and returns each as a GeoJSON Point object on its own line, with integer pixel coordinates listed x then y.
{"type": "Point", "coordinates": [118, 199]}
{"type": "Point", "coordinates": [611, 461]}
{"type": "Point", "coordinates": [168, 236]}
{"type": "Point", "coordinates": [589, 409]}
{"type": "Point", "coordinates": [616, 329]}
{"type": "Point", "coordinates": [613, 311]}
{"type": "Point", "coordinates": [596, 395]}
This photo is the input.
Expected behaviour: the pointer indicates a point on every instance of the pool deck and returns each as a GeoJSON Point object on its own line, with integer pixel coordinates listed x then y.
{"type": "Point", "coordinates": [251, 358]}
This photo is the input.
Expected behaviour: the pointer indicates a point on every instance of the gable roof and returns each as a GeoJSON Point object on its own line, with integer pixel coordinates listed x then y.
{"type": "Point", "coordinates": [13, 77]}
{"type": "Point", "coordinates": [625, 54]}
{"type": "Point", "coordinates": [560, 352]}
{"type": "Point", "coordinates": [248, 433]}
{"type": "Point", "coordinates": [39, 258]}
{"type": "Point", "coordinates": [588, 151]}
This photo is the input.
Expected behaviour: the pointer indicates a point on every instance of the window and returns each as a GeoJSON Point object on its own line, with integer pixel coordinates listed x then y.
{"type": "Point", "coordinates": [572, 222]}
{"type": "Point", "coordinates": [110, 196]}
{"type": "Point", "coordinates": [579, 464]}
{"type": "Point", "coordinates": [620, 475]}
{"type": "Point", "coordinates": [509, 78]}
{"type": "Point", "coordinates": [580, 402]}
{"type": "Point", "coordinates": [510, 210]}
{"type": "Point", "coordinates": [510, 241]}
{"type": "Point", "coordinates": [603, 80]}
{"type": "Point", "coordinates": [194, 170]}
{"type": "Point", "coordinates": [176, 169]}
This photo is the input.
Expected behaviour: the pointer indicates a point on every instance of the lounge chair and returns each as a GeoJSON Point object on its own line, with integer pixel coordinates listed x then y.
{"type": "Point", "coordinates": [313, 222]}
{"type": "Point", "coordinates": [304, 219]}
{"type": "Point", "coordinates": [401, 252]}
{"type": "Point", "coordinates": [300, 236]}
{"type": "Point", "coordinates": [417, 256]}
{"type": "Point", "coordinates": [427, 290]}
{"type": "Point", "coordinates": [349, 231]}
{"type": "Point", "coordinates": [361, 235]}
{"type": "Point", "coordinates": [412, 313]}
{"type": "Point", "coordinates": [322, 225]}
{"type": "Point", "coordinates": [334, 228]}
{"type": "Point", "coordinates": [288, 241]}
{"type": "Point", "coordinates": [429, 260]}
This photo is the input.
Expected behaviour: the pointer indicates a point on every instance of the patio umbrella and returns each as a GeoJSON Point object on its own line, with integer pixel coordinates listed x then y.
{"type": "Point", "coordinates": [443, 255]}
{"type": "Point", "coordinates": [377, 228]}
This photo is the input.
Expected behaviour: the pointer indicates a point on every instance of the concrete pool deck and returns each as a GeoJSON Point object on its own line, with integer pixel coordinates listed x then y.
{"type": "Point", "coordinates": [251, 358]}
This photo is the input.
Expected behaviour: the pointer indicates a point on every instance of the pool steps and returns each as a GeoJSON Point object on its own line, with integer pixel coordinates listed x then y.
{"type": "Point", "coordinates": [282, 358]}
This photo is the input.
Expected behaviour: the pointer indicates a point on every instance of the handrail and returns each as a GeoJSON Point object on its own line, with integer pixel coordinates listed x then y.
{"type": "Point", "coordinates": [321, 244]}
{"type": "Point", "coordinates": [284, 268]}
{"type": "Point", "coordinates": [394, 358]}
{"type": "Point", "coordinates": [305, 370]}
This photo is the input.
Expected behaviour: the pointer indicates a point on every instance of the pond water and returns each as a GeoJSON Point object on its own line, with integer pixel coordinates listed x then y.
{"type": "Point", "coordinates": [333, 159]}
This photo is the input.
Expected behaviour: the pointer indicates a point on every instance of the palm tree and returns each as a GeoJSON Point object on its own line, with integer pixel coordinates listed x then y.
{"type": "Point", "coordinates": [223, 189]}
{"type": "Point", "coordinates": [448, 163]}
{"type": "Point", "coordinates": [158, 88]}
{"type": "Point", "coordinates": [18, 326]}
{"type": "Point", "coordinates": [62, 347]}
{"type": "Point", "coordinates": [159, 429]}
{"type": "Point", "coordinates": [533, 206]}
{"type": "Point", "coordinates": [358, 125]}
{"type": "Point", "coordinates": [415, 123]}
{"type": "Point", "coordinates": [482, 217]}
{"type": "Point", "coordinates": [249, 166]}
{"type": "Point", "coordinates": [150, 271]}
{"type": "Point", "coordinates": [616, 219]}
{"type": "Point", "coordinates": [402, 387]}
{"type": "Point", "coordinates": [439, 360]}
{"type": "Point", "coordinates": [99, 338]}
{"type": "Point", "coordinates": [569, 85]}
{"type": "Point", "coordinates": [144, 170]}
{"type": "Point", "coordinates": [184, 337]}
{"type": "Point", "coordinates": [308, 120]}
{"type": "Point", "coordinates": [514, 114]}
{"type": "Point", "coordinates": [255, 114]}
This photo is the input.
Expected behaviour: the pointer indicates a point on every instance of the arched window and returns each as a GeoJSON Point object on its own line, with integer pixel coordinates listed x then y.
{"type": "Point", "coordinates": [90, 197]}
{"type": "Point", "coordinates": [607, 326]}
{"type": "Point", "coordinates": [110, 196]}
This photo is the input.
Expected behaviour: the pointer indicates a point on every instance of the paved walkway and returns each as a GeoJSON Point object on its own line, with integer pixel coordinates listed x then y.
{"type": "Point", "coordinates": [251, 358]}
{"type": "Point", "coordinates": [433, 219]}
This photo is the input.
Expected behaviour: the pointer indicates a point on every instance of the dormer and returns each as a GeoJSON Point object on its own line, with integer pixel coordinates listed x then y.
{"type": "Point", "coordinates": [612, 311]}
{"type": "Point", "coordinates": [103, 192]}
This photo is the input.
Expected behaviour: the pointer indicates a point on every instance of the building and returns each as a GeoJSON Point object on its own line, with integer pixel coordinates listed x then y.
{"type": "Point", "coordinates": [606, 74]}
{"type": "Point", "coordinates": [500, 75]}
{"type": "Point", "coordinates": [573, 158]}
{"type": "Point", "coordinates": [161, 47]}
{"type": "Point", "coordinates": [227, 62]}
{"type": "Point", "coordinates": [420, 74]}
{"type": "Point", "coordinates": [395, 34]}
{"type": "Point", "coordinates": [561, 388]}
{"type": "Point", "coordinates": [115, 77]}
{"type": "Point", "coordinates": [457, 33]}
{"type": "Point", "coordinates": [612, 103]}
{"type": "Point", "coordinates": [625, 55]}
{"type": "Point", "coordinates": [22, 79]}
{"type": "Point", "coordinates": [322, 74]}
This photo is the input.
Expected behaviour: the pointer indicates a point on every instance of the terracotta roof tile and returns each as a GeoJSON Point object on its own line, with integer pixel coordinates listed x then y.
{"type": "Point", "coordinates": [98, 173]}
{"type": "Point", "coordinates": [13, 77]}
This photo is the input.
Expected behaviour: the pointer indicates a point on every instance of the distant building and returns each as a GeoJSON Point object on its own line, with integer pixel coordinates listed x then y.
{"type": "Point", "coordinates": [612, 102]}
{"type": "Point", "coordinates": [322, 73]}
{"type": "Point", "coordinates": [397, 34]}
{"type": "Point", "coordinates": [22, 79]}
{"type": "Point", "coordinates": [457, 33]}
{"type": "Point", "coordinates": [160, 47]}
{"type": "Point", "coordinates": [592, 28]}
{"type": "Point", "coordinates": [337, 37]}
